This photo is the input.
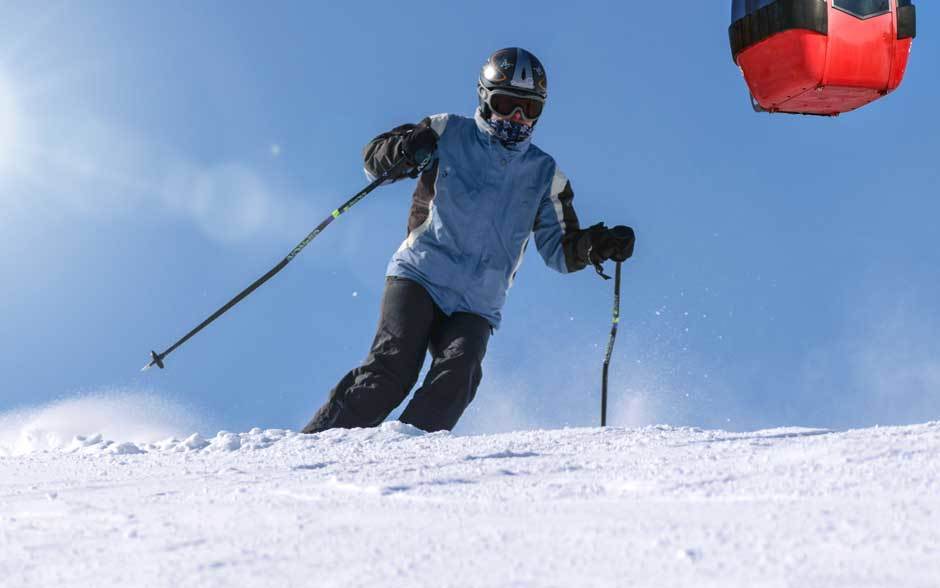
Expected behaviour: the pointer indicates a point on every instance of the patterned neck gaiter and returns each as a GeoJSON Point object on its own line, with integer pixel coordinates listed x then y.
{"type": "Point", "coordinates": [509, 132]}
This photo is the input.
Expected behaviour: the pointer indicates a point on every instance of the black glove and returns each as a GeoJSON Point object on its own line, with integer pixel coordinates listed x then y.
{"type": "Point", "coordinates": [419, 145]}
{"type": "Point", "coordinates": [615, 244]}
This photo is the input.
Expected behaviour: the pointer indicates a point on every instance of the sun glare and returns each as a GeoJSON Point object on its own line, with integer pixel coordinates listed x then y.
{"type": "Point", "coordinates": [8, 126]}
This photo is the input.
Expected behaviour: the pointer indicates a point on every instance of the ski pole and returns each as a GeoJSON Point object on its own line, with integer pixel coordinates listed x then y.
{"type": "Point", "coordinates": [610, 344]}
{"type": "Point", "coordinates": [157, 358]}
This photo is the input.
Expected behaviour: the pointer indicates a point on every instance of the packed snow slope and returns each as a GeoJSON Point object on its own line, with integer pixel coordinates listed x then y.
{"type": "Point", "coordinates": [656, 506]}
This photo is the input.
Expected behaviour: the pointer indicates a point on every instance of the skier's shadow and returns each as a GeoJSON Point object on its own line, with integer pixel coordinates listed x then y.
{"type": "Point", "coordinates": [752, 437]}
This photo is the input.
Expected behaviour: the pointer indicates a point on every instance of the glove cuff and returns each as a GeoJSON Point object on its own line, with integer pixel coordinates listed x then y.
{"type": "Point", "coordinates": [588, 243]}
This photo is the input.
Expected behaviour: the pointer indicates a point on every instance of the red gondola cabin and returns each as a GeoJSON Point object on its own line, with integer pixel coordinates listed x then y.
{"type": "Point", "coordinates": [821, 57]}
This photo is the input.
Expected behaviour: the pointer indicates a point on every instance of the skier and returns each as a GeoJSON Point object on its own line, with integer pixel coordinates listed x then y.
{"type": "Point", "coordinates": [483, 189]}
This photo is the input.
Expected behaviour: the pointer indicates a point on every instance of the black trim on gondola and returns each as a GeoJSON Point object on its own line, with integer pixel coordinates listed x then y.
{"type": "Point", "coordinates": [863, 9]}
{"type": "Point", "coordinates": [907, 21]}
{"type": "Point", "coordinates": [782, 15]}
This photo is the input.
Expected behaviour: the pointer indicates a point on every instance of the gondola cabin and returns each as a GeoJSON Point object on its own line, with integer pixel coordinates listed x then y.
{"type": "Point", "coordinates": [822, 57]}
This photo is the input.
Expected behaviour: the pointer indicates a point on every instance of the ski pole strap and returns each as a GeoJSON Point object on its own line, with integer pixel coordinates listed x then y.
{"type": "Point", "coordinates": [600, 270]}
{"type": "Point", "coordinates": [424, 164]}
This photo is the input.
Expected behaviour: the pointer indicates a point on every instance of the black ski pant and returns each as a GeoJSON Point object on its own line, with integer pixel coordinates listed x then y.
{"type": "Point", "coordinates": [410, 325]}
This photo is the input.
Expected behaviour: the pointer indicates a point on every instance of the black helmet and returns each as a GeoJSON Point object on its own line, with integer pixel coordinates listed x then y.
{"type": "Point", "coordinates": [512, 71]}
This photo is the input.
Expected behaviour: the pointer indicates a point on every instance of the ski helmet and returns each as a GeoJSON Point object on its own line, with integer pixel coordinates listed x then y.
{"type": "Point", "coordinates": [514, 73]}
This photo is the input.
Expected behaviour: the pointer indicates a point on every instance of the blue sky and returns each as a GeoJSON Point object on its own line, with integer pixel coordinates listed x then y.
{"type": "Point", "coordinates": [157, 158]}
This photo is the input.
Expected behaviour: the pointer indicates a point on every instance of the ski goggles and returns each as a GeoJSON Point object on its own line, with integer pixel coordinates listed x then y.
{"type": "Point", "coordinates": [506, 104]}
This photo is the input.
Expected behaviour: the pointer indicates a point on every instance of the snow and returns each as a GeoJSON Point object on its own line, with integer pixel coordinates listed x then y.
{"type": "Point", "coordinates": [116, 415]}
{"type": "Point", "coordinates": [392, 506]}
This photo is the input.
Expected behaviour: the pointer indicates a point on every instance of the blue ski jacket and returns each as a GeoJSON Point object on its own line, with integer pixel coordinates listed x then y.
{"type": "Point", "coordinates": [474, 209]}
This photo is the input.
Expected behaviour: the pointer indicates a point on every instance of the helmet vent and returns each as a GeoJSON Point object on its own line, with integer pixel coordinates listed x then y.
{"type": "Point", "coordinates": [514, 68]}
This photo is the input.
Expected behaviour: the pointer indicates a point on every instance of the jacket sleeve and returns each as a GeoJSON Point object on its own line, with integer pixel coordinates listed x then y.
{"type": "Point", "coordinates": [381, 153]}
{"type": "Point", "coordinates": [558, 235]}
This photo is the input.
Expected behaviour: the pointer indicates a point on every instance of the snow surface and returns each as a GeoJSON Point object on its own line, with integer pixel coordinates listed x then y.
{"type": "Point", "coordinates": [655, 506]}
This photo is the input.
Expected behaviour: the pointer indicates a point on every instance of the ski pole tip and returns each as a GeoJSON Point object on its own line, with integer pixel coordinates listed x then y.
{"type": "Point", "coordinates": [155, 360]}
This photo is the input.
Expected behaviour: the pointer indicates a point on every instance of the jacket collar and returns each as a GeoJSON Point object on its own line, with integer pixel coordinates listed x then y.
{"type": "Point", "coordinates": [487, 133]}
